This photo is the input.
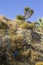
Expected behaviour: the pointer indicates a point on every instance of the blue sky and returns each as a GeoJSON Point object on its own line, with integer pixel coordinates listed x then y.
{"type": "Point", "coordinates": [11, 8]}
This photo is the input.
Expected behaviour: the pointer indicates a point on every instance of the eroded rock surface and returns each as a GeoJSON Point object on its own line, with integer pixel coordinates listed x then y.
{"type": "Point", "coordinates": [21, 42]}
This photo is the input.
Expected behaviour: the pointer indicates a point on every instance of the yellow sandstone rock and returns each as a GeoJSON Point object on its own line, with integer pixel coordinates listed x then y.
{"type": "Point", "coordinates": [39, 63]}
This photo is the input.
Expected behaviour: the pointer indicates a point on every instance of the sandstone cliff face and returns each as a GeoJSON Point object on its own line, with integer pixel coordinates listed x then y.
{"type": "Point", "coordinates": [21, 42]}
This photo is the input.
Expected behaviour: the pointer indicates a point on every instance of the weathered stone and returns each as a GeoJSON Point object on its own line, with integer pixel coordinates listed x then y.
{"type": "Point", "coordinates": [22, 42]}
